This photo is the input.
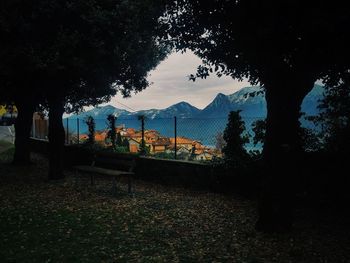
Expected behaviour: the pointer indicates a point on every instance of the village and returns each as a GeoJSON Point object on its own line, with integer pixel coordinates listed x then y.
{"type": "Point", "coordinates": [157, 145]}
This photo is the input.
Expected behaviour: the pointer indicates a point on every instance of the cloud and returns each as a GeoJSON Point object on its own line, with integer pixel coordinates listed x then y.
{"type": "Point", "coordinates": [170, 85]}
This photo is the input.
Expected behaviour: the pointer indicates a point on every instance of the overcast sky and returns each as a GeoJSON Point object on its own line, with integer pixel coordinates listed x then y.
{"type": "Point", "coordinates": [170, 85]}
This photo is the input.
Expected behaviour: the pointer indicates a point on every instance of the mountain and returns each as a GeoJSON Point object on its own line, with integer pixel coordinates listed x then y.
{"type": "Point", "coordinates": [219, 107]}
{"type": "Point", "coordinates": [101, 112]}
{"type": "Point", "coordinates": [251, 106]}
{"type": "Point", "coordinates": [181, 110]}
{"type": "Point", "coordinates": [311, 101]}
{"type": "Point", "coordinates": [250, 100]}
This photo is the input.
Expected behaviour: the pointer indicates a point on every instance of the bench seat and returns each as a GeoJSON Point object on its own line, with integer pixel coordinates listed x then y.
{"type": "Point", "coordinates": [111, 165]}
{"type": "Point", "coordinates": [100, 170]}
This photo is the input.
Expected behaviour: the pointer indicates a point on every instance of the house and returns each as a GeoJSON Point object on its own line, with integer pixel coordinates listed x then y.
{"type": "Point", "coordinates": [152, 140]}
{"type": "Point", "coordinates": [134, 145]}
{"type": "Point", "coordinates": [182, 142]}
{"type": "Point", "coordinates": [204, 156]}
{"type": "Point", "coordinates": [83, 137]}
{"type": "Point", "coordinates": [160, 145]}
{"type": "Point", "coordinates": [101, 137]}
{"type": "Point", "coordinates": [129, 131]}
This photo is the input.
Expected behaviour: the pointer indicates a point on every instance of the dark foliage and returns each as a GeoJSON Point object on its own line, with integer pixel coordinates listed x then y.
{"type": "Point", "coordinates": [235, 138]}
{"type": "Point", "coordinates": [311, 141]}
{"type": "Point", "coordinates": [259, 129]}
{"type": "Point", "coordinates": [334, 120]}
{"type": "Point", "coordinates": [66, 55]}
{"type": "Point", "coordinates": [90, 122]}
{"type": "Point", "coordinates": [111, 135]}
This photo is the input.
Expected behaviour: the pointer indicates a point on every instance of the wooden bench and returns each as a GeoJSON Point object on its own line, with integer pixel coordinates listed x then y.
{"type": "Point", "coordinates": [110, 165]}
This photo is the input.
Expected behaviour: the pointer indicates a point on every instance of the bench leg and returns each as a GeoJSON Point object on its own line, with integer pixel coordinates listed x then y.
{"type": "Point", "coordinates": [92, 179]}
{"type": "Point", "coordinates": [129, 184]}
{"type": "Point", "coordinates": [114, 187]}
{"type": "Point", "coordinates": [75, 179]}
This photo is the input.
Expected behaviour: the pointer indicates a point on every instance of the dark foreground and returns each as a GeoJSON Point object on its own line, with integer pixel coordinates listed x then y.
{"type": "Point", "coordinates": [43, 221]}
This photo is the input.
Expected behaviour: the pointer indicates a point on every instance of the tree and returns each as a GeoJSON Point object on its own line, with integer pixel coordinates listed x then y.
{"type": "Point", "coordinates": [111, 135]}
{"type": "Point", "coordinates": [126, 144]}
{"type": "Point", "coordinates": [119, 140]}
{"type": "Point", "coordinates": [334, 118]}
{"type": "Point", "coordinates": [235, 140]}
{"type": "Point", "coordinates": [267, 42]}
{"type": "Point", "coordinates": [192, 154]}
{"type": "Point", "coordinates": [78, 53]}
{"type": "Point", "coordinates": [143, 150]}
{"type": "Point", "coordinates": [274, 43]}
{"type": "Point", "coordinates": [311, 141]}
{"type": "Point", "coordinates": [90, 122]}
{"type": "Point", "coordinates": [259, 129]}
{"type": "Point", "coordinates": [219, 141]}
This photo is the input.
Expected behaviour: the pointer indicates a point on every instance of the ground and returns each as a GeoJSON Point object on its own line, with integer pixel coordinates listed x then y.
{"type": "Point", "coordinates": [68, 221]}
{"type": "Point", "coordinates": [7, 134]}
{"type": "Point", "coordinates": [4, 146]}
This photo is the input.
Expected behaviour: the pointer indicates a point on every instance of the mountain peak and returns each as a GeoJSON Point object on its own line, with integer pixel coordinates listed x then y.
{"type": "Point", "coordinates": [220, 95]}
{"type": "Point", "coordinates": [246, 94]}
{"type": "Point", "coordinates": [184, 105]}
{"type": "Point", "coordinates": [218, 107]}
{"type": "Point", "coordinates": [108, 106]}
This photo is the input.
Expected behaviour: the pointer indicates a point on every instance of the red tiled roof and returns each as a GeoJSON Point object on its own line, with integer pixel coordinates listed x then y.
{"type": "Point", "coordinates": [181, 140]}
{"type": "Point", "coordinates": [161, 141]}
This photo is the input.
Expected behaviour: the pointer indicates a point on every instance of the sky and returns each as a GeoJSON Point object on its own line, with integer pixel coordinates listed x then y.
{"type": "Point", "coordinates": [170, 85]}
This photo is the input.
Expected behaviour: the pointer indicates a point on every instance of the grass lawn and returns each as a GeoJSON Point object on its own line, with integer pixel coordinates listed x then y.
{"type": "Point", "coordinates": [42, 221]}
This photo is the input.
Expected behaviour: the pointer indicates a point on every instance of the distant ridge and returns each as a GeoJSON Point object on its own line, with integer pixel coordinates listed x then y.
{"type": "Point", "coordinates": [250, 106]}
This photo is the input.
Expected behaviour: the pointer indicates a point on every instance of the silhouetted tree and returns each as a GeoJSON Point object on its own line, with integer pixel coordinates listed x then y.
{"type": "Point", "coordinates": [334, 119]}
{"type": "Point", "coordinates": [143, 148]}
{"type": "Point", "coordinates": [273, 43]}
{"type": "Point", "coordinates": [235, 138]}
{"type": "Point", "coordinates": [90, 122]}
{"type": "Point", "coordinates": [111, 135]}
{"type": "Point", "coordinates": [192, 155]}
{"type": "Point", "coordinates": [311, 140]}
{"type": "Point", "coordinates": [119, 140]}
{"type": "Point", "coordinates": [219, 141]}
{"type": "Point", "coordinates": [98, 49]}
{"type": "Point", "coordinates": [126, 144]}
{"type": "Point", "coordinates": [259, 129]}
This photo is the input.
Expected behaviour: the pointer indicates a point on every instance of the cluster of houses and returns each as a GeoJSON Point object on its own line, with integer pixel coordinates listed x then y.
{"type": "Point", "coordinates": [185, 148]}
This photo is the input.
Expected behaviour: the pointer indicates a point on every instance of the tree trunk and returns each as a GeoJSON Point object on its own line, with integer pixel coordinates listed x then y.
{"type": "Point", "coordinates": [281, 151]}
{"type": "Point", "coordinates": [23, 126]}
{"type": "Point", "coordinates": [56, 139]}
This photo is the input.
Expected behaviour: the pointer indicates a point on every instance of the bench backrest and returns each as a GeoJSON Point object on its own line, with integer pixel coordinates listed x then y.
{"type": "Point", "coordinates": [122, 162]}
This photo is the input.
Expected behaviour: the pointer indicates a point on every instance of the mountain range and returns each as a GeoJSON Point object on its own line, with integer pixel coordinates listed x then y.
{"type": "Point", "coordinates": [250, 100]}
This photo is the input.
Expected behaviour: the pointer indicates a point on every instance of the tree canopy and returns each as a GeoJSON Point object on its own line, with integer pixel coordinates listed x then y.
{"type": "Point", "coordinates": [81, 51]}
{"type": "Point", "coordinates": [69, 54]}
{"type": "Point", "coordinates": [333, 122]}
{"type": "Point", "coordinates": [283, 45]}
{"type": "Point", "coordinates": [254, 38]}
{"type": "Point", "coordinates": [235, 137]}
